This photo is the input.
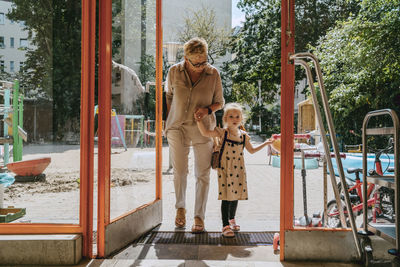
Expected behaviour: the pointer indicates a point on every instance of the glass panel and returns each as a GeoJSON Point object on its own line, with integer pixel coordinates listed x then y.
{"type": "Point", "coordinates": [40, 133]}
{"type": "Point", "coordinates": [183, 20]}
{"type": "Point", "coordinates": [133, 103]}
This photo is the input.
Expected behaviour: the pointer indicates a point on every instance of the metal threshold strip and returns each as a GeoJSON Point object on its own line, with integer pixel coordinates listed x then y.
{"type": "Point", "coordinates": [207, 238]}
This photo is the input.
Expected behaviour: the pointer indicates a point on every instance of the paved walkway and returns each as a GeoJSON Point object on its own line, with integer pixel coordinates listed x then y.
{"type": "Point", "coordinates": [262, 210]}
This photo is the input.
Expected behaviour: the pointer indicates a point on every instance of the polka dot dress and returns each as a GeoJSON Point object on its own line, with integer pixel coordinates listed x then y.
{"type": "Point", "coordinates": [232, 182]}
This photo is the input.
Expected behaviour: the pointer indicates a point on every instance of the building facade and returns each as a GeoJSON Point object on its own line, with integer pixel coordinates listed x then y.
{"type": "Point", "coordinates": [13, 41]}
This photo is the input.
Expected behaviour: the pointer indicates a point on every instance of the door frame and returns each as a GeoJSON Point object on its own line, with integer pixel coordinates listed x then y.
{"type": "Point", "coordinates": [114, 234]}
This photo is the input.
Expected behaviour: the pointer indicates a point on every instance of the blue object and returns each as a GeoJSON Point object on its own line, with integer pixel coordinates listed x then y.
{"type": "Point", "coordinates": [311, 163]}
{"type": "Point", "coordinates": [354, 160]}
{"type": "Point", "coordinates": [6, 179]}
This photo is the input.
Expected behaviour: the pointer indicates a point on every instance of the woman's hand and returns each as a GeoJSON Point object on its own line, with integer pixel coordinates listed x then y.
{"type": "Point", "coordinates": [200, 113]}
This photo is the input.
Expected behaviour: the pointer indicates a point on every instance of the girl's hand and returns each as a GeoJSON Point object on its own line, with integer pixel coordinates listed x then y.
{"type": "Point", "coordinates": [269, 141]}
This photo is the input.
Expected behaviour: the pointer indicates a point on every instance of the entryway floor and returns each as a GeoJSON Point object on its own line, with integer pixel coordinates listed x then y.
{"type": "Point", "coordinates": [167, 246]}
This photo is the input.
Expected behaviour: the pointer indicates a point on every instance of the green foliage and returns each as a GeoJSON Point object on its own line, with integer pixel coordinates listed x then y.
{"type": "Point", "coordinates": [314, 18]}
{"type": "Point", "coordinates": [117, 17]}
{"type": "Point", "coordinates": [360, 59]}
{"type": "Point", "coordinates": [202, 23]}
{"type": "Point", "coordinates": [256, 52]}
{"type": "Point", "coordinates": [52, 69]}
{"type": "Point", "coordinates": [257, 45]}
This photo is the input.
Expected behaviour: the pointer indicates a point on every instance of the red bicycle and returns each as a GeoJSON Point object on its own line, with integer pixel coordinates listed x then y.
{"type": "Point", "coordinates": [380, 199]}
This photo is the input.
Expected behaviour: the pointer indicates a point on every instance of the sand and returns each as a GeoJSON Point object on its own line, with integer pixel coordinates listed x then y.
{"type": "Point", "coordinates": [62, 174]}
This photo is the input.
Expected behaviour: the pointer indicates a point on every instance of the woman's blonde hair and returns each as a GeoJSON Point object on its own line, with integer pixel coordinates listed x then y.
{"type": "Point", "coordinates": [195, 46]}
{"type": "Point", "coordinates": [233, 106]}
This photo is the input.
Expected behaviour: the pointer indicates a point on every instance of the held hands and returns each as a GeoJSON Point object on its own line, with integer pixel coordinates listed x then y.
{"type": "Point", "coordinates": [200, 113]}
{"type": "Point", "coordinates": [269, 141]}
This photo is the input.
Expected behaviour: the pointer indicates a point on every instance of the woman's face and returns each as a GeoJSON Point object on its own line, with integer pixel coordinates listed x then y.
{"type": "Point", "coordinates": [196, 63]}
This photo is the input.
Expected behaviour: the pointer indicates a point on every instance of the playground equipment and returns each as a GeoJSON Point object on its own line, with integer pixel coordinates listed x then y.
{"type": "Point", "coordinates": [274, 151]}
{"type": "Point", "coordinates": [132, 125]}
{"type": "Point", "coordinates": [353, 148]}
{"type": "Point", "coordinates": [12, 117]}
{"type": "Point", "coordinates": [121, 134]}
{"type": "Point", "coordinates": [29, 170]}
{"type": "Point", "coordinates": [131, 130]}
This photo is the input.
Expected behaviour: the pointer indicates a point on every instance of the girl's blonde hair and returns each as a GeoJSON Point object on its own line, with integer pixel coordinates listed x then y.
{"type": "Point", "coordinates": [195, 46]}
{"type": "Point", "coordinates": [233, 106]}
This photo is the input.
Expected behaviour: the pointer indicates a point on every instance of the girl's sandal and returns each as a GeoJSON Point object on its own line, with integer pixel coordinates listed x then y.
{"type": "Point", "coordinates": [234, 226]}
{"type": "Point", "coordinates": [180, 219]}
{"type": "Point", "coordinates": [227, 232]}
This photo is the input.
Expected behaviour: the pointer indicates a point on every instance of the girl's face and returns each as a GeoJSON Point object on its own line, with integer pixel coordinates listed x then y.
{"type": "Point", "coordinates": [233, 118]}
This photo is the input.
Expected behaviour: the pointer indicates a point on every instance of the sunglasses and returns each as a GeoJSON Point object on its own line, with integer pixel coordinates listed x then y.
{"type": "Point", "coordinates": [198, 65]}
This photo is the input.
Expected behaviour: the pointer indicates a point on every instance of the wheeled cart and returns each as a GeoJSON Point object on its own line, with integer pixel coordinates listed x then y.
{"type": "Point", "coordinates": [387, 231]}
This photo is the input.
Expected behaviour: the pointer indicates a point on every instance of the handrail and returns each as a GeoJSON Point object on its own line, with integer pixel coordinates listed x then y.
{"type": "Point", "coordinates": [396, 145]}
{"type": "Point", "coordinates": [324, 140]}
{"type": "Point", "coordinates": [297, 59]}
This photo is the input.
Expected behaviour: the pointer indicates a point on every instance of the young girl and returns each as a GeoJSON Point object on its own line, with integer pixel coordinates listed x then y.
{"type": "Point", "coordinates": [232, 184]}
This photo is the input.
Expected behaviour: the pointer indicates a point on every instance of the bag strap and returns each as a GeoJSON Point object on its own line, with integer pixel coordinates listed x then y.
{"type": "Point", "coordinates": [222, 149]}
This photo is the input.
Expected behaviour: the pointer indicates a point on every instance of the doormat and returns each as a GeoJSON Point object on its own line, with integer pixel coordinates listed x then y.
{"type": "Point", "coordinates": [207, 238]}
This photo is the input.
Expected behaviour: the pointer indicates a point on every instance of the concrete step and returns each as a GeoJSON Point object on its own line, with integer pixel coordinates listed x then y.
{"type": "Point", "coordinates": [40, 249]}
{"type": "Point", "coordinates": [216, 263]}
{"type": "Point", "coordinates": [189, 252]}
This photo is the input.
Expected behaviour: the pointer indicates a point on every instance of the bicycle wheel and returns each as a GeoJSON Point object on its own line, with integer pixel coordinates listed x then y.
{"type": "Point", "coordinates": [333, 218]}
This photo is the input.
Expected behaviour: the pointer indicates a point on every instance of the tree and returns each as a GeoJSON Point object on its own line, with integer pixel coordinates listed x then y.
{"type": "Point", "coordinates": [360, 60]}
{"type": "Point", "coordinates": [256, 46]}
{"type": "Point", "coordinates": [202, 23]}
{"type": "Point", "coordinates": [315, 17]}
{"type": "Point", "coordinates": [256, 54]}
{"type": "Point", "coordinates": [52, 69]}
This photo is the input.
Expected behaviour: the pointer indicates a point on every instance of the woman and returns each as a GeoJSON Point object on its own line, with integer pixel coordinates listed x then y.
{"type": "Point", "coordinates": [194, 90]}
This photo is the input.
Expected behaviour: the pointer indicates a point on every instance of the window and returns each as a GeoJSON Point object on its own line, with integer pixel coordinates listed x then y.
{"type": "Point", "coordinates": [12, 42]}
{"type": "Point", "coordinates": [12, 66]}
{"type": "Point", "coordinates": [23, 43]}
{"type": "Point", "coordinates": [2, 42]}
{"type": "Point", "coordinates": [21, 65]}
{"type": "Point", "coordinates": [1, 65]}
{"type": "Point", "coordinates": [1, 18]}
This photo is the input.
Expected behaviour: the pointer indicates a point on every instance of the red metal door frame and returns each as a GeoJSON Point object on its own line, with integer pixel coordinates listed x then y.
{"type": "Point", "coordinates": [88, 55]}
{"type": "Point", "coordinates": [287, 123]}
{"type": "Point", "coordinates": [287, 120]}
{"type": "Point", "coordinates": [86, 144]}
{"type": "Point", "coordinates": [104, 130]}
{"type": "Point", "coordinates": [104, 119]}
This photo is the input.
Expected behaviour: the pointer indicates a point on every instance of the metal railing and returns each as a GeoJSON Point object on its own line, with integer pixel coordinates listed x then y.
{"type": "Point", "coordinates": [299, 59]}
